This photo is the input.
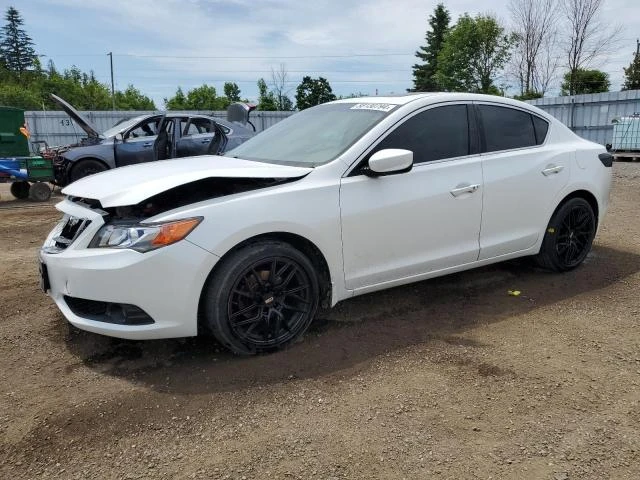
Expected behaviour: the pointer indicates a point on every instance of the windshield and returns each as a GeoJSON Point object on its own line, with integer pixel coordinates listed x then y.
{"type": "Point", "coordinates": [312, 137]}
{"type": "Point", "coordinates": [122, 125]}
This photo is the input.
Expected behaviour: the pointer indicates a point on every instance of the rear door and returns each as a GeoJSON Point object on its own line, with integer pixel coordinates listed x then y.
{"type": "Point", "coordinates": [196, 134]}
{"type": "Point", "coordinates": [523, 176]}
{"type": "Point", "coordinates": [428, 219]}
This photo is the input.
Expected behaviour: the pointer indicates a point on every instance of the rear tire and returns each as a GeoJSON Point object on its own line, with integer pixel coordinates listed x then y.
{"type": "Point", "coordinates": [261, 298]}
{"type": "Point", "coordinates": [20, 190]}
{"type": "Point", "coordinates": [84, 168]}
{"type": "Point", "coordinates": [569, 236]}
{"type": "Point", "coordinates": [40, 192]}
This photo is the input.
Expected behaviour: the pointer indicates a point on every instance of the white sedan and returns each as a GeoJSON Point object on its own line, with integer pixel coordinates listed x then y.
{"type": "Point", "coordinates": [339, 200]}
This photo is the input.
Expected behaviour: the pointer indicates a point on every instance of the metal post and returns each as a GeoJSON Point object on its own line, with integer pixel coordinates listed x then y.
{"type": "Point", "coordinates": [113, 95]}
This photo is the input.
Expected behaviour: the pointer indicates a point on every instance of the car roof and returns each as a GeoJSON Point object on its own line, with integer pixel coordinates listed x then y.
{"type": "Point", "coordinates": [446, 97]}
{"type": "Point", "coordinates": [221, 121]}
{"type": "Point", "coordinates": [390, 99]}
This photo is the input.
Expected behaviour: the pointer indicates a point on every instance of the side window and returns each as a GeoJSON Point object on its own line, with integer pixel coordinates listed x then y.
{"type": "Point", "coordinates": [506, 128]}
{"type": "Point", "coordinates": [541, 127]}
{"type": "Point", "coordinates": [148, 128]}
{"type": "Point", "coordinates": [196, 126]}
{"type": "Point", "coordinates": [437, 133]}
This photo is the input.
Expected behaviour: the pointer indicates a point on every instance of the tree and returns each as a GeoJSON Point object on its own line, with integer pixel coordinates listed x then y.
{"type": "Point", "coordinates": [232, 91]}
{"type": "Point", "coordinates": [474, 52]}
{"type": "Point", "coordinates": [203, 97]}
{"type": "Point", "coordinates": [585, 81]}
{"type": "Point", "coordinates": [588, 38]}
{"type": "Point", "coordinates": [313, 91]}
{"type": "Point", "coordinates": [80, 89]}
{"type": "Point", "coordinates": [177, 102]}
{"type": "Point", "coordinates": [279, 81]}
{"type": "Point", "coordinates": [94, 95]}
{"type": "Point", "coordinates": [133, 99]}
{"type": "Point", "coordinates": [19, 97]}
{"type": "Point", "coordinates": [266, 99]}
{"type": "Point", "coordinates": [16, 49]}
{"type": "Point", "coordinates": [632, 74]}
{"type": "Point", "coordinates": [534, 23]}
{"type": "Point", "coordinates": [424, 74]}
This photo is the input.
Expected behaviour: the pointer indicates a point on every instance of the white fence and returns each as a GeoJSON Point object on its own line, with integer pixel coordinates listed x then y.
{"type": "Point", "coordinates": [590, 116]}
{"type": "Point", "coordinates": [57, 128]}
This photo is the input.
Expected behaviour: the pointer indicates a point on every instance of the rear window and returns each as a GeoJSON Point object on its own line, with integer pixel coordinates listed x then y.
{"type": "Point", "coordinates": [506, 128]}
{"type": "Point", "coordinates": [541, 127]}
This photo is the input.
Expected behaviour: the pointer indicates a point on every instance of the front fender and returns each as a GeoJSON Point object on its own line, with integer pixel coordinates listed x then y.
{"type": "Point", "coordinates": [312, 213]}
{"type": "Point", "coordinates": [102, 152]}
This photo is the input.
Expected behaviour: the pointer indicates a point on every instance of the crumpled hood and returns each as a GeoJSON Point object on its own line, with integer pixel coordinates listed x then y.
{"type": "Point", "coordinates": [130, 185]}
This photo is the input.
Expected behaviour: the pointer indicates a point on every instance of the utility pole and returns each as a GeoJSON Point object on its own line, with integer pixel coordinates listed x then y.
{"type": "Point", "coordinates": [637, 47]}
{"type": "Point", "coordinates": [113, 95]}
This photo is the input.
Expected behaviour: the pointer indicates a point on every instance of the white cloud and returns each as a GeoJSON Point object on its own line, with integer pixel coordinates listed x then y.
{"type": "Point", "coordinates": [279, 29]}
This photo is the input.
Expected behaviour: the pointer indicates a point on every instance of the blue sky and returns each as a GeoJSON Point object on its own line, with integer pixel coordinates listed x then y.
{"type": "Point", "coordinates": [360, 47]}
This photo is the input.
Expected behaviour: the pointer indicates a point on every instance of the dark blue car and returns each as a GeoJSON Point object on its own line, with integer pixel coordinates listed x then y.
{"type": "Point", "coordinates": [142, 139]}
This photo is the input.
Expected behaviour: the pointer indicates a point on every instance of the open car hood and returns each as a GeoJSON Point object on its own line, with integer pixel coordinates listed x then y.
{"type": "Point", "coordinates": [131, 185]}
{"type": "Point", "coordinates": [75, 115]}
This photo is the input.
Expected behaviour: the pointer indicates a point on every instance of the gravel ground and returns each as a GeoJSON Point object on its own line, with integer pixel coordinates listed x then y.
{"type": "Point", "coordinates": [448, 378]}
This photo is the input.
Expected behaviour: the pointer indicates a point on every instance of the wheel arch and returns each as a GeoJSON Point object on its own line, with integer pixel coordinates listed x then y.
{"type": "Point", "coordinates": [74, 164]}
{"type": "Point", "coordinates": [76, 161]}
{"type": "Point", "coordinates": [584, 194]}
{"type": "Point", "coordinates": [300, 243]}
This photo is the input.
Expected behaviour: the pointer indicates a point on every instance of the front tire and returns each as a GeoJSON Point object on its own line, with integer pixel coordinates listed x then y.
{"type": "Point", "coordinates": [568, 237]}
{"type": "Point", "coordinates": [84, 168]}
{"type": "Point", "coordinates": [261, 298]}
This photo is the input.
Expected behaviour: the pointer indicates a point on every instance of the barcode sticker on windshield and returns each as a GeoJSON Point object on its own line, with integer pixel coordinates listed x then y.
{"type": "Point", "coordinates": [383, 107]}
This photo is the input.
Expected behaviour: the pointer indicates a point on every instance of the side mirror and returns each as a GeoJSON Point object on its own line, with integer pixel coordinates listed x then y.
{"type": "Point", "coordinates": [119, 137]}
{"type": "Point", "coordinates": [390, 161]}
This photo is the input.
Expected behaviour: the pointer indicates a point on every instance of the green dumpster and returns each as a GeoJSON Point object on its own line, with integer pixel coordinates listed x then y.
{"type": "Point", "coordinates": [13, 143]}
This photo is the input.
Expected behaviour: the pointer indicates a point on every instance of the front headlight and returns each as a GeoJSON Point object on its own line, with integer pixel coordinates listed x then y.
{"type": "Point", "coordinates": [143, 237]}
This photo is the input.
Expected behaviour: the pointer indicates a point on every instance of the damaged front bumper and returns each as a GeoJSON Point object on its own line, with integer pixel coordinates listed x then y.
{"type": "Point", "coordinates": [121, 292]}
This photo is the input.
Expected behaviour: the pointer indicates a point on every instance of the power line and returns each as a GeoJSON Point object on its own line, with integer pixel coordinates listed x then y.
{"type": "Point", "coordinates": [269, 71]}
{"type": "Point", "coordinates": [252, 57]}
{"type": "Point", "coordinates": [231, 57]}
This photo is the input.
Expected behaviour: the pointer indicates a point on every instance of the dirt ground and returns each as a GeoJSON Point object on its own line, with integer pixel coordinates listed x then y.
{"type": "Point", "coordinates": [448, 378]}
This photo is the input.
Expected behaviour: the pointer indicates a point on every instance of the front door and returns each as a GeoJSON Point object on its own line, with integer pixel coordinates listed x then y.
{"type": "Point", "coordinates": [428, 219]}
{"type": "Point", "coordinates": [136, 145]}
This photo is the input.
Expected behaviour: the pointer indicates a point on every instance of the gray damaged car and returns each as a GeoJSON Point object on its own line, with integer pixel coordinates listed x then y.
{"type": "Point", "coordinates": [147, 138]}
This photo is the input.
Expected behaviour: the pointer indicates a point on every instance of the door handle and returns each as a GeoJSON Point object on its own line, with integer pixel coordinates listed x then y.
{"type": "Point", "coordinates": [464, 188]}
{"type": "Point", "coordinates": [205, 141]}
{"type": "Point", "coordinates": [148, 144]}
{"type": "Point", "coordinates": [551, 169]}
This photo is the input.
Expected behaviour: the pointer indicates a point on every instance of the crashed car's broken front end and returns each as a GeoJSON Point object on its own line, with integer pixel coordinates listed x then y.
{"type": "Point", "coordinates": [119, 264]}
{"type": "Point", "coordinates": [122, 292]}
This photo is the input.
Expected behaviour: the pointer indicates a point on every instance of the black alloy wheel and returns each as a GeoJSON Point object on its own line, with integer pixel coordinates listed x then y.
{"type": "Point", "coordinates": [262, 298]}
{"type": "Point", "coordinates": [569, 236]}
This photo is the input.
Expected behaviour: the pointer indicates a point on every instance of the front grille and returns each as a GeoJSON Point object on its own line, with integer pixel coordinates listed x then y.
{"type": "Point", "coordinates": [71, 230]}
{"type": "Point", "coordinates": [118, 313]}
